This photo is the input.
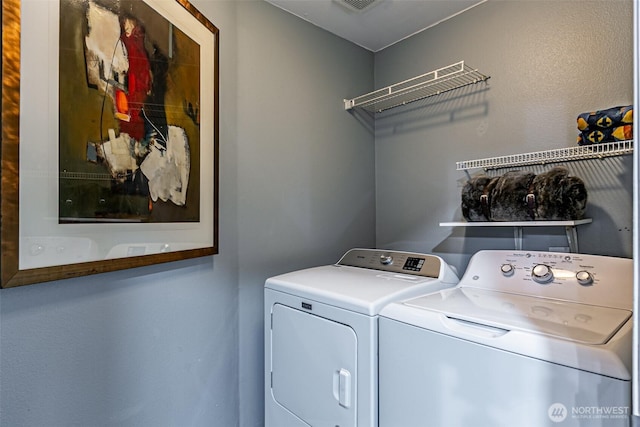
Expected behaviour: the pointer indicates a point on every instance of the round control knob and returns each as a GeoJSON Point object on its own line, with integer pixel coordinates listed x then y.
{"type": "Point", "coordinates": [507, 270]}
{"type": "Point", "coordinates": [386, 259]}
{"type": "Point", "coordinates": [584, 278]}
{"type": "Point", "coordinates": [542, 273]}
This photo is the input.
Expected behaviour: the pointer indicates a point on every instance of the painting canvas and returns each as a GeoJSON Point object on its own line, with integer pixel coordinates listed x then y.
{"type": "Point", "coordinates": [109, 136]}
{"type": "Point", "coordinates": [129, 115]}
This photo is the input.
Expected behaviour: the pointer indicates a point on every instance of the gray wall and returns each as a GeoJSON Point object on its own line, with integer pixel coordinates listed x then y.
{"type": "Point", "coordinates": [305, 175]}
{"type": "Point", "coordinates": [548, 62]}
{"type": "Point", "coordinates": [181, 344]}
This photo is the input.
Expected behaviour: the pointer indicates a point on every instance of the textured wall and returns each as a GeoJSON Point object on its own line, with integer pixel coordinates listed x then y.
{"type": "Point", "coordinates": [548, 62]}
{"type": "Point", "coordinates": [150, 346]}
{"type": "Point", "coordinates": [305, 177]}
{"type": "Point", "coordinates": [181, 344]}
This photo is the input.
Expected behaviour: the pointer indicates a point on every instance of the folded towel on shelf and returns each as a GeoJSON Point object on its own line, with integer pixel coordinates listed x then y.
{"type": "Point", "coordinates": [606, 119]}
{"type": "Point", "coordinates": [608, 125]}
{"type": "Point", "coordinates": [597, 136]}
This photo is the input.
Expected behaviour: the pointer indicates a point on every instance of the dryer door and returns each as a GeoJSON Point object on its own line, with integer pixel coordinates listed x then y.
{"type": "Point", "coordinates": [313, 372]}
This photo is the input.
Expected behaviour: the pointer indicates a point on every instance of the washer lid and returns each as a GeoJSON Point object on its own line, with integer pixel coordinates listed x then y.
{"type": "Point", "coordinates": [571, 321]}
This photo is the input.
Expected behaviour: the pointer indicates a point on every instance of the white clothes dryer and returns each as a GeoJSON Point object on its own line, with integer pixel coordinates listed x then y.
{"type": "Point", "coordinates": [527, 339]}
{"type": "Point", "coordinates": [321, 334]}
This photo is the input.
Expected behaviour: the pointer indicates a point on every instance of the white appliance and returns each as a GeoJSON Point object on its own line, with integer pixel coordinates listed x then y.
{"type": "Point", "coordinates": [321, 334]}
{"type": "Point", "coordinates": [527, 339]}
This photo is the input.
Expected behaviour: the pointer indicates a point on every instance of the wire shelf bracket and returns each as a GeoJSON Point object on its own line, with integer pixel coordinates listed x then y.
{"type": "Point", "coordinates": [433, 83]}
{"type": "Point", "coordinates": [570, 229]}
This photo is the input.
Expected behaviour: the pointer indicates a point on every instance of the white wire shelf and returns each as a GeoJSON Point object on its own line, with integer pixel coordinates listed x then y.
{"type": "Point", "coordinates": [581, 152]}
{"type": "Point", "coordinates": [434, 83]}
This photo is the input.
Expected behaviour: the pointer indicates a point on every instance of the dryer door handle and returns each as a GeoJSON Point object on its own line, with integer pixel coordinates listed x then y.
{"type": "Point", "coordinates": [342, 387]}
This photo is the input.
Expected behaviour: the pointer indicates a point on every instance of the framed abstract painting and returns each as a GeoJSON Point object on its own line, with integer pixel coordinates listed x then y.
{"type": "Point", "coordinates": [109, 136]}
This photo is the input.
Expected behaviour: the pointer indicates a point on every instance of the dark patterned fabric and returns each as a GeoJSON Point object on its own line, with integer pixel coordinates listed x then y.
{"type": "Point", "coordinates": [610, 125]}
{"type": "Point", "coordinates": [620, 133]}
{"type": "Point", "coordinates": [524, 196]}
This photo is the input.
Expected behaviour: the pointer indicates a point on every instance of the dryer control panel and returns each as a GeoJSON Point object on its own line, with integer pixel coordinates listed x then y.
{"type": "Point", "coordinates": [589, 279]}
{"type": "Point", "coordinates": [395, 262]}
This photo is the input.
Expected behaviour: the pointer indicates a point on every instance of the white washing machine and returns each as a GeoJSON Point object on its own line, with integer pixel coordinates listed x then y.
{"type": "Point", "coordinates": [527, 339]}
{"type": "Point", "coordinates": [321, 334]}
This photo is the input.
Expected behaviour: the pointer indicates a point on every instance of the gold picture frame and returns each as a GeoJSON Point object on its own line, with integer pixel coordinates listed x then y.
{"type": "Point", "coordinates": [71, 208]}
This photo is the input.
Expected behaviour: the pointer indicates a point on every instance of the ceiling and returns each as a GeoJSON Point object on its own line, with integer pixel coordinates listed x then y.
{"type": "Point", "coordinates": [375, 24]}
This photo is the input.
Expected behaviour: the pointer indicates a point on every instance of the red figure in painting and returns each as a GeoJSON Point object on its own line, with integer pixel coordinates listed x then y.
{"type": "Point", "coordinates": [138, 77]}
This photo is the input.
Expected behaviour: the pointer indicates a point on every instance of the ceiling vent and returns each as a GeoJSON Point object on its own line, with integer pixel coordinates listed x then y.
{"type": "Point", "coordinates": [357, 5]}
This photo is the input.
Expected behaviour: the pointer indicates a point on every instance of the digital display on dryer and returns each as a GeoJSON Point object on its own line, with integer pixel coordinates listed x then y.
{"type": "Point", "coordinates": [413, 264]}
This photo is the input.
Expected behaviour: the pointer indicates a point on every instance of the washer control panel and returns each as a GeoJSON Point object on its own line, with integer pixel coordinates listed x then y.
{"type": "Point", "coordinates": [591, 279]}
{"type": "Point", "coordinates": [394, 261]}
